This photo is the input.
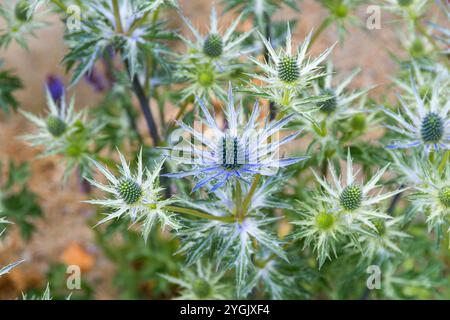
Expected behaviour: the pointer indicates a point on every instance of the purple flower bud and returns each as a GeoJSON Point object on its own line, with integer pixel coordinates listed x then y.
{"type": "Point", "coordinates": [95, 80]}
{"type": "Point", "coordinates": [56, 87]}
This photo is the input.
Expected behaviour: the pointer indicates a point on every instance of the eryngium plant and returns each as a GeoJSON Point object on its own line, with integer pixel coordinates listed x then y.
{"type": "Point", "coordinates": [263, 170]}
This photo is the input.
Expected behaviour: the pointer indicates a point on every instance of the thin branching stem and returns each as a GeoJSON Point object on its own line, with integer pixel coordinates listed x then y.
{"type": "Point", "coordinates": [60, 5]}
{"type": "Point", "coordinates": [199, 214]}
{"type": "Point", "coordinates": [115, 4]}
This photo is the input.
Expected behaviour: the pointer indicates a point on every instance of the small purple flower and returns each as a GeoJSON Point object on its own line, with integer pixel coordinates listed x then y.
{"type": "Point", "coordinates": [56, 87]}
{"type": "Point", "coordinates": [96, 80]}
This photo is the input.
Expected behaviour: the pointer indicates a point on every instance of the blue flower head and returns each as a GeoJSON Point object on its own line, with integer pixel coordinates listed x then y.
{"type": "Point", "coordinates": [241, 150]}
{"type": "Point", "coordinates": [423, 124]}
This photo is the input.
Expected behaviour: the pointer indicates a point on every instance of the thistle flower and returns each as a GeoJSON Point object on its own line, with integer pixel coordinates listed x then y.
{"type": "Point", "coordinates": [238, 152]}
{"type": "Point", "coordinates": [53, 128]}
{"type": "Point", "coordinates": [106, 26]}
{"type": "Point", "coordinates": [384, 244]}
{"type": "Point", "coordinates": [432, 195]}
{"type": "Point", "coordinates": [340, 13]}
{"type": "Point", "coordinates": [353, 199]}
{"type": "Point", "coordinates": [322, 228]}
{"type": "Point", "coordinates": [137, 195]}
{"type": "Point", "coordinates": [203, 80]}
{"type": "Point", "coordinates": [288, 72]}
{"type": "Point", "coordinates": [425, 125]}
{"type": "Point", "coordinates": [220, 48]}
{"type": "Point", "coordinates": [338, 102]}
{"type": "Point", "coordinates": [410, 9]}
{"type": "Point", "coordinates": [425, 77]}
{"type": "Point", "coordinates": [19, 24]}
{"type": "Point", "coordinates": [203, 283]}
{"type": "Point", "coordinates": [258, 8]}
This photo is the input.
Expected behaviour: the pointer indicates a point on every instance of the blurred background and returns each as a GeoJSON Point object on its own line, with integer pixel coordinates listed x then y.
{"type": "Point", "coordinates": [55, 227]}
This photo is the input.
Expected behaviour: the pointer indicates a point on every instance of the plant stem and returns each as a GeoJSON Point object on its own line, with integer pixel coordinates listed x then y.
{"type": "Point", "coordinates": [268, 35]}
{"type": "Point", "coordinates": [249, 196]}
{"type": "Point", "coordinates": [61, 5]}
{"type": "Point", "coordinates": [395, 200]}
{"type": "Point", "coordinates": [323, 26]}
{"type": "Point", "coordinates": [144, 103]}
{"type": "Point", "coordinates": [444, 161]}
{"type": "Point", "coordinates": [199, 214]}
{"type": "Point", "coordinates": [115, 4]}
{"type": "Point", "coordinates": [239, 212]}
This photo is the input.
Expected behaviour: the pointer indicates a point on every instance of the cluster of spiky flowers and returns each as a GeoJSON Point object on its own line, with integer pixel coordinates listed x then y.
{"type": "Point", "coordinates": [349, 210]}
{"type": "Point", "coordinates": [137, 196]}
{"type": "Point", "coordinates": [240, 151]}
{"type": "Point", "coordinates": [211, 59]}
{"type": "Point", "coordinates": [287, 73]}
{"type": "Point", "coordinates": [202, 283]}
{"type": "Point", "coordinates": [425, 125]}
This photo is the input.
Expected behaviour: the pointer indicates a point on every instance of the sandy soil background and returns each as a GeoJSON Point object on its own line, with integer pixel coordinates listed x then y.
{"type": "Point", "coordinates": [63, 235]}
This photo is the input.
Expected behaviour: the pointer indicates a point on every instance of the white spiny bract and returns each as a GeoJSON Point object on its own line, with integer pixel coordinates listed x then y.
{"type": "Point", "coordinates": [232, 244]}
{"type": "Point", "coordinates": [322, 228]}
{"type": "Point", "coordinates": [137, 196]}
{"type": "Point", "coordinates": [384, 244]}
{"type": "Point", "coordinates": [9, 267]}
{"type": "Point", "coordinates": [238, 152]}
{"type": "Point", "coordinates": [45, 295]}
{"type": "Point", "coordinates": [425, 77]}
{"type": "Point", "coordinates": [288, 72]}
{"type": "Point", "coordinates": [340, 13]}
{"type": "Point", "coordinates": [353, 198]}
{"type": "Point", "coordinates": [432, 195]}
{"type": "Point", "coordinates": [201, 283]}
{"type": "Point", "coordinates": [424, 125]}
{"type": "Point", "coordinates": [19, 24]}
{"type": "Point", "coordinates": [204, 80]}
{"type": "Point", "coordinates": [408, 9]}
{"type": "Point", "coordinates": [55, 126]}
{"type": "Point", "coordinates": [101, 29]}
{"type": "Point", "coordinates": [339, 102]}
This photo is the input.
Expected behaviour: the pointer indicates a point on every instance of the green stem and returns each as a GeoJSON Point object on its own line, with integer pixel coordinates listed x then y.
{"type": "Point", "coordinates": [444, 161]}
{"type": "Point", "coordinates": [119, 27]}
{"type": "Point", "coordinates": [323, 26]}
{"type": "Point", "coordinates": [137, 23]}
{"type": "Point", "coordinates": [198, 214]}
{"type": "Point", "coordinates": [249, 196]}
{"type": "Point", "coordinates": [61, 5]}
